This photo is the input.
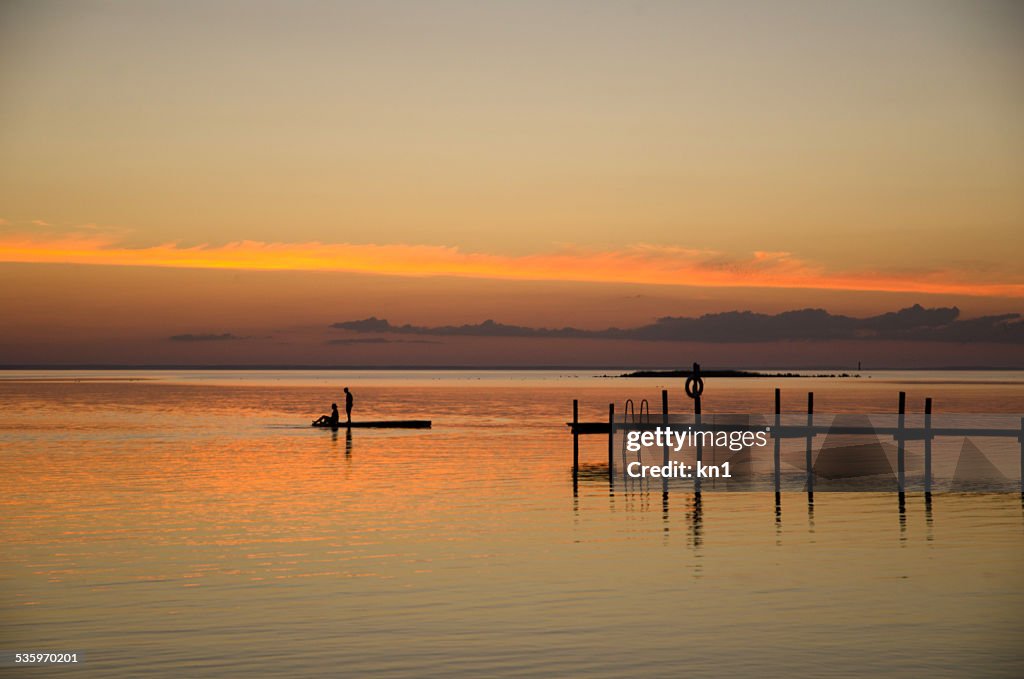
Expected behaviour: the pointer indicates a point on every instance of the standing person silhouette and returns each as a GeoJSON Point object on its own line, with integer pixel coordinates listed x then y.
{"type": "Point", "coordinates": [348, 405]}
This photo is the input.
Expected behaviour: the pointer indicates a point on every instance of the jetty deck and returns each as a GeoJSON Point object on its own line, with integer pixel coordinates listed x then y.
{"type": "Point", "coordinates": [901, 433]}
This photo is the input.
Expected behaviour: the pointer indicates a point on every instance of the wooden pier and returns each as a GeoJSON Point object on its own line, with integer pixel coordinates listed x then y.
{"type": "Point", "coordinates": [901, 433]}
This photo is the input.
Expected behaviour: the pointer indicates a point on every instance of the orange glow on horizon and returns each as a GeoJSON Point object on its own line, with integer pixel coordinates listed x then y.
{"type": "Point", "coordinates": [638, 264]}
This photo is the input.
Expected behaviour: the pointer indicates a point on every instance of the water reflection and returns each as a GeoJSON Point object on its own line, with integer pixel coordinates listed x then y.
{"type": "Point", "coordinates": [155, 508]}
{"type": "Point", "coordinates": [666, 526]}
{"type": "Point", "coordinates": [929, 522]}
{"type": "Point", "coordinates": [696, 518]}
{"type": "Point", "coordinates": [635, 496]}
{"type": "Point", "coordinates": [903, 517]}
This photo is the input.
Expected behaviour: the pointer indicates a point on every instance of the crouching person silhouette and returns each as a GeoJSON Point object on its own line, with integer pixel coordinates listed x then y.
{"type": "Point", "coordinates": [328, 420]}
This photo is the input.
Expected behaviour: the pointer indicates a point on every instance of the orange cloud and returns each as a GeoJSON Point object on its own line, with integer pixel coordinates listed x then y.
{"type": "Point", "coordinates": [643, 264]}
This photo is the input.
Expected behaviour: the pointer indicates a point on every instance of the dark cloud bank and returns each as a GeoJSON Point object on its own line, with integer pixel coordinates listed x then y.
{"type": "Point", "coordinates": [914, 323]}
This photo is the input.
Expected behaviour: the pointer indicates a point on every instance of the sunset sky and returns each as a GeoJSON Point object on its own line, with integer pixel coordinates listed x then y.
{"type": "Point", "coordinates": [204, 183]}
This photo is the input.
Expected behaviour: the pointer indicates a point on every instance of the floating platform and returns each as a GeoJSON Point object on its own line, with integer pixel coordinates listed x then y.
{"type": "Point", "coordinates": [379, 424]}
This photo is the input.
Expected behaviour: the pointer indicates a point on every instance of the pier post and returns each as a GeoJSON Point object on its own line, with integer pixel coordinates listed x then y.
{"type": "Point", "coordinates": [664, 450]}
{"type": "Point", "coordinates": [694, 387]}
{"type": "Point", "coordinates": [575, 437]}
{"type": "Point", "coordinates": [664, 423]}
{"type": "Point", "coordinates": [778, 444]}
{"type": "Point", "coordinates": [611, 439]}
{"type": "Point", "coordinates": [700, 441]}
{"type": "Point", "coordinates": [927, 449]}
{"type": "Point", "coordinates": [810, 440]}
{"type": "Point", "coordinates": [900, 445]}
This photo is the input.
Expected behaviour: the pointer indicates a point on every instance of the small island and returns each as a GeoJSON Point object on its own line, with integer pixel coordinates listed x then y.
{"type": "Point", "coordinates": [724, 373]}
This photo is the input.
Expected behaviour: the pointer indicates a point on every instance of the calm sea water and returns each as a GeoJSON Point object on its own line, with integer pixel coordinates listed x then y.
{"type": "Point", "coordinates": [191, 524]}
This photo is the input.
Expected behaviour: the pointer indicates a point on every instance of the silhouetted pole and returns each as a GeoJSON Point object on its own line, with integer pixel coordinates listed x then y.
{"type": "Point", "coordinates": [575, 437]}
{"type": "Point", "coordinates": [900, 443]}
{"type": "Point", "coordinates": [697, 390]}
{"type": "Point", "coordinates": [778, 444]}
{"type": "Point", "coordinates": [810, 440]}
{"type": "Point", "coordinates": [1021, 459]}
{"type": "Point", "coordinates": [611, 438]}
{"type": "Point", "coordinates": [664, 422]}
{"type": "Point", "coordinates": [664, 450]}
{"type": "Point", "coordinates": [927, 448]}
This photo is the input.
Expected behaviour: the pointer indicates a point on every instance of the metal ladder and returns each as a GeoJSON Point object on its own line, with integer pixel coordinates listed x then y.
{"type": "Point", "coordinates": [629, 414]}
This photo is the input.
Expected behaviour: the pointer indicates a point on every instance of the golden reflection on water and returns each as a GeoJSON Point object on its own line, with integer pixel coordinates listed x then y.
{"type": "Point", "coordinates": [170, 527]}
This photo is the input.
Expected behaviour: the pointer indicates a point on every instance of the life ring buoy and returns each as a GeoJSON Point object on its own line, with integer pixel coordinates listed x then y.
{"type": "Point", "coordinates": [694, 386]}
